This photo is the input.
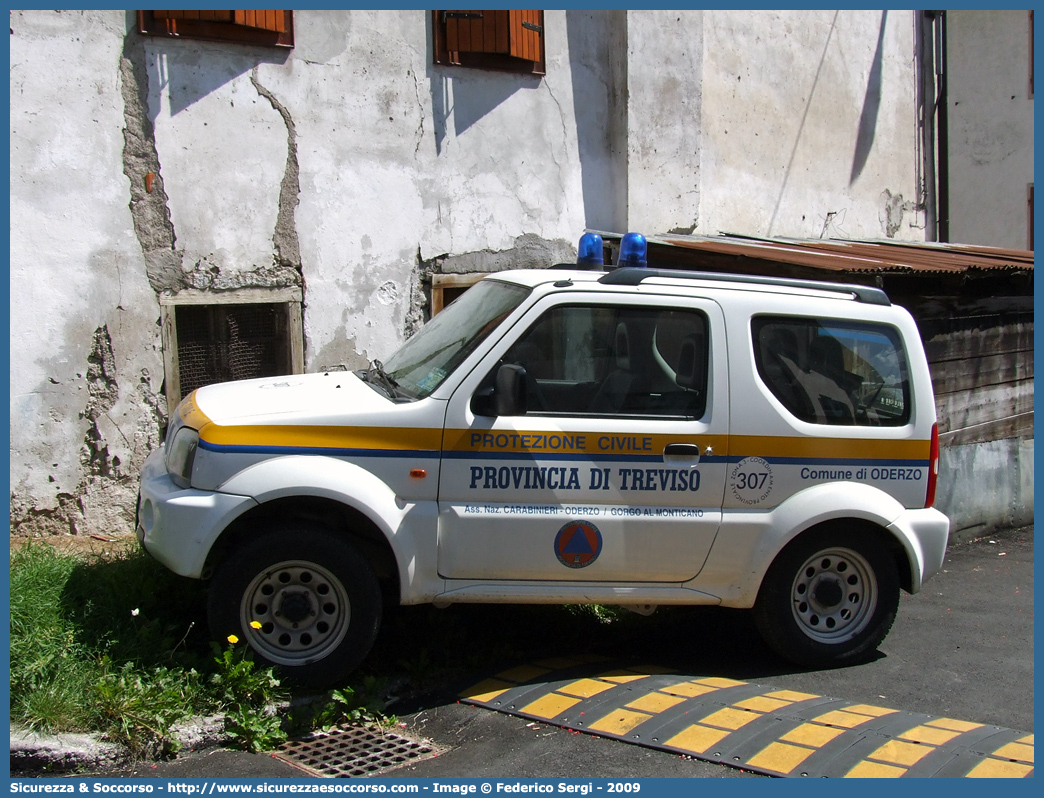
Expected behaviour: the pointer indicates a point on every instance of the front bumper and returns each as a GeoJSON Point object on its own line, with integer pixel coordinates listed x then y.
{"type": "Point", "coordinates": [179, 526]}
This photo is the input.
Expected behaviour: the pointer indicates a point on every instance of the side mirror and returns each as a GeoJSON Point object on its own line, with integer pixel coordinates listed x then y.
{"type": "Point", "coordinates": [509, 397]}
{"type": "Point", "coordinates": [506, 397]}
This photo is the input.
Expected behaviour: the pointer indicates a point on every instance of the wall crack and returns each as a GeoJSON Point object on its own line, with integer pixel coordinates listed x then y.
{"type": "Point", "coordinates": [420, 106]}
{"type": "Point", "coordinates": [285, 239]}
{"type": "Point", "coordinates": [150, 212]}
{"type": "Point", "coordinates": [102, 392]}
{"type": "Point", "coordinates": [565, 133]}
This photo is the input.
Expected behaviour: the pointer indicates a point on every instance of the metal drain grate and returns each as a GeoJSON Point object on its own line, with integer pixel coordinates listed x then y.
{"type": "Point", "coordinates": [353, 751]}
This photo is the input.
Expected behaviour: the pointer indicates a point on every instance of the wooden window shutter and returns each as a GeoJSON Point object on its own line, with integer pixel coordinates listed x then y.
{"type": "Point", "coordinates": [247, 27]}
{"type": "Point", "coordinates": [211, 16]}
{"type": "Point", "coordinates": [265, 20]}
{"type": "Point", "coordinates": [526, 30]}
{"type": "Point", "coordinates": [503, 40]}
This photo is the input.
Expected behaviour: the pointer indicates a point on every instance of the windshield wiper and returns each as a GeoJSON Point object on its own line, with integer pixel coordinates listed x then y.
{"type": "Point", "coordinates": [378, 376]}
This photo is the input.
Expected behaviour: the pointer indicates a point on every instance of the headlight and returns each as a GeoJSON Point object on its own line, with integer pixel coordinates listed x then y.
{"type": "Point", "coordinates": [181, 451]}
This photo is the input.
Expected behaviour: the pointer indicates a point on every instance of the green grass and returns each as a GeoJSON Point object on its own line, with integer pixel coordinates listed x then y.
{"type": "Point", "coordinates": [118, 644]}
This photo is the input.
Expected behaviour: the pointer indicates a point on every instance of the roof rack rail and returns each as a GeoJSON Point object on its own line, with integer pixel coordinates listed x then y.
{"type": "Point", "coordinates": [635, 276]}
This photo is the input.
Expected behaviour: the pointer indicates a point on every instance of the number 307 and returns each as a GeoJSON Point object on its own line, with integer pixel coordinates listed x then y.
{"type": "Point", "coordinates": [751, 481]}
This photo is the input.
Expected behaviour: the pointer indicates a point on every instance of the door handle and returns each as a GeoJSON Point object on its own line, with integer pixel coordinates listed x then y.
{"type": "Point", "coordinates": [689, 452]}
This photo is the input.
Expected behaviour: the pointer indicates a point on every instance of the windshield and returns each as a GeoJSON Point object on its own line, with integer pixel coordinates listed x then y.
{"type": "Point", "coordinates": [424, 361]}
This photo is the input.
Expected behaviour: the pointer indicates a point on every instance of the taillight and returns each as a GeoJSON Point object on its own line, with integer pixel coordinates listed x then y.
{"type": "Point", "coordinates": [933, 467]}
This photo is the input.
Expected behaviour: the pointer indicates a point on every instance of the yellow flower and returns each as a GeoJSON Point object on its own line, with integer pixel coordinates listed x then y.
{"type": "Point", "coordinates": [255, 624]}
{"type": "Point", "coordinates": [233, 639]}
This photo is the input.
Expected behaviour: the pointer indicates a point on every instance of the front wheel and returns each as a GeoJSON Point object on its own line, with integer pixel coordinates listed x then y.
{"type": "Point", "coordinates": [302, 598]}
{"type": "Point", "coordinates": [829, 598]}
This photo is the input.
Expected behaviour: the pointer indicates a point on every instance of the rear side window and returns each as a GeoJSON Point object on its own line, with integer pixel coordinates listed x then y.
{"type": "Point", "coordinates": [826, 371]}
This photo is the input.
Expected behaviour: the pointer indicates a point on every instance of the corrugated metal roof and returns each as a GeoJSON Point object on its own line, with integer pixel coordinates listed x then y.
{"type": "Point", "coordinates": [847, 255]}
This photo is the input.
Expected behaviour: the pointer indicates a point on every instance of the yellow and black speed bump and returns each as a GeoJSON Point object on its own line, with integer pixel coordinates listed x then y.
{"type": "Point", "coordinates": [752, 726]}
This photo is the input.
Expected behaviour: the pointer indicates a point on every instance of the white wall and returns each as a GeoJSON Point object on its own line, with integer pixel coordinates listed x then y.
{"type": "Point", "coordinates": [984, 487]}
{"type": "Point", "coordinates": [83, 412]}
{"type": "Point", "coordinates": [809, 125]}
{"type": "Point", "coordinates": [990, 114]}
{"type": "Point", "coordinates": [398, 160]}
{"type": "Point", "coordinates": [665, 91]}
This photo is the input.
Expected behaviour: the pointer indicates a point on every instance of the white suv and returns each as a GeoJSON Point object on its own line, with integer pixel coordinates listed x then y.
{"type": "Point", "coordinates": [631, 436]}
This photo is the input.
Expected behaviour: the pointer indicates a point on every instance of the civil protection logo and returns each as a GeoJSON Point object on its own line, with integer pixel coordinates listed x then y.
{"type": "Point", "coordinates": [578, 544]}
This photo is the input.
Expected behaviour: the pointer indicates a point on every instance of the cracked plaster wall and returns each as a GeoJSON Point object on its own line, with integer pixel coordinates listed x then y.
{"type": "Point", "coordinates": [663, 173]}
{"type": "Point", "coordinates": [991, 117]}
{"type": "Point", "coordinates": [394, 168]}
{"type": "Point", "coordinates": [85, 362]}
{"type": "Point", "coordinates": [403, 164]}
{"type": "Point", "coordinates": [809, 125]}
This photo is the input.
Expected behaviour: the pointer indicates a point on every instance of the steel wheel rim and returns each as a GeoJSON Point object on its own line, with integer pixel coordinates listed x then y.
{"type": "Point", "coordinates": [834, 595]}
{"type": "Point", "coordinates": [295, 612]}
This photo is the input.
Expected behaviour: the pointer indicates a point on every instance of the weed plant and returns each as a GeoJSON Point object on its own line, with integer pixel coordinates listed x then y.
{"type": "Point", "coordinates": [118, 644]}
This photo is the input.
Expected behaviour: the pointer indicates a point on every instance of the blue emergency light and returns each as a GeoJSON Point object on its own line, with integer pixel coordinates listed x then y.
{"type": "Point", "coordinates": [633, 249]}
{"type": "Point", "coordinates": [589, 253]}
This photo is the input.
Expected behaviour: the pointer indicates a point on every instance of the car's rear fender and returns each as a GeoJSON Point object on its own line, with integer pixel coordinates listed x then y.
{"type": "Point", "coordinates": [749, 540]}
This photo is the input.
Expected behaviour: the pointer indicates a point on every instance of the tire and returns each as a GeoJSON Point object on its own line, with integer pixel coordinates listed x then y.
{"type": "Point", "coordinates": [829, 598]}
{"type": "Point", "coordinates": [316, 597]}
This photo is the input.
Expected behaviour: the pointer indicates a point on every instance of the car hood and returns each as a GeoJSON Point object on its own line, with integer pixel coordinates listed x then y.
{"type": "Point", "coordinates": [328, 398]}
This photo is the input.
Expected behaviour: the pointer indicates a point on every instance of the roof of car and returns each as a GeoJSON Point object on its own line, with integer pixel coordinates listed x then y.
{"type": "Point", "coordinates": [565, 277]}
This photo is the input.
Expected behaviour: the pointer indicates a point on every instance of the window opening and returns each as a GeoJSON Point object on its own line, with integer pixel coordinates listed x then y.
{"type": "Point", "coordinates": [601, 360]}
{"type": "Point", "coordinates": [273, 28]}
{"type": "Point", "coordinates": [508, 41]}
{"type": "Point", "coordinates": [246, 336]}
{"type": "Point", "coordinates": [834, 372]}
{"type": "Point", "coordinates": [232, 342]}
{"type": "Point", "coordinates": [445, 288]}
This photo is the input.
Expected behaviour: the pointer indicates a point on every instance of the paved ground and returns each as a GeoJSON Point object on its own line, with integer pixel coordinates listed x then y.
{"type": "Point", "coordinates": [962, 648]}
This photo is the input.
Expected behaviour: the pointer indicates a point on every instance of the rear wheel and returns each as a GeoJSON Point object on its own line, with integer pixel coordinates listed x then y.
{"type": "Point", "coordinates": [829, 598]}
{"type": "Point", "coordinates": [302, 598]}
